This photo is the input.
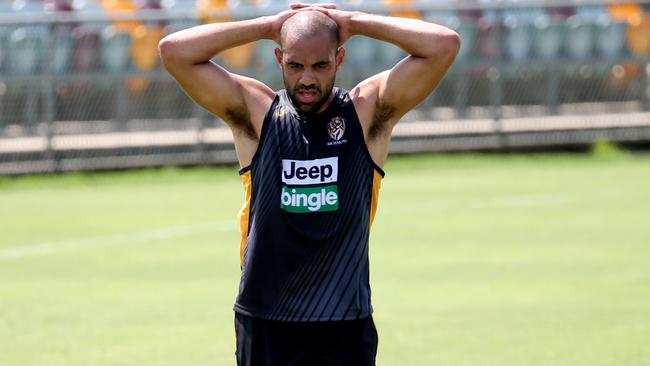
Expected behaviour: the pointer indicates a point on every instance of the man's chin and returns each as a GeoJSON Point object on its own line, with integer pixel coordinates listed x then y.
{"type": "Point", "coordinates": [308, 107]}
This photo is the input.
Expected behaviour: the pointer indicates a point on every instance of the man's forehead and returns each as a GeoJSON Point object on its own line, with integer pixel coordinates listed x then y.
{"type": "Point", "coordinates": [313, 49]}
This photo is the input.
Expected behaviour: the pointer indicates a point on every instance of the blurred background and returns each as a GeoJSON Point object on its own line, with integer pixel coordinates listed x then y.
{"type": "Point", "coordinates": [82, 88]}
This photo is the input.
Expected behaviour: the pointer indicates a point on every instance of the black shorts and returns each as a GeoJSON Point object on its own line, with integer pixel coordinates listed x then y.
{"type": "Point", "coordinates": [262, 342]}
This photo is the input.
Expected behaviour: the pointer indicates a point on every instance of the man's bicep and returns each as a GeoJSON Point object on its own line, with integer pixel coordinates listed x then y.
{"type": "Point", "coordinates": [210, 86]}
{"type": "Point", "coordinates": [409, 82]}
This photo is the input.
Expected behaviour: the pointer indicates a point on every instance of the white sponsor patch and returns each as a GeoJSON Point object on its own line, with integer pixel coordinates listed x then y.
{"type": "Point", "coordinates": [307, 172]}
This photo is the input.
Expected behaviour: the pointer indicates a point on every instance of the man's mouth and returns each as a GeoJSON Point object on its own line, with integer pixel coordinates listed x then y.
{"type": "Point", "coordinates": [307, 96]}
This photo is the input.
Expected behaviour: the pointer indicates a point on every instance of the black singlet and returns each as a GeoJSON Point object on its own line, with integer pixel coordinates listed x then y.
{"type": "Point", "coordinates": [311, 194]}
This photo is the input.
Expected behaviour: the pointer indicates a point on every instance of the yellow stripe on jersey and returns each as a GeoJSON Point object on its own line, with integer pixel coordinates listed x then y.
{"type": "Point", "coordinates": [244, 214]}
{"type": "Point", "coordinates": [376, 185]}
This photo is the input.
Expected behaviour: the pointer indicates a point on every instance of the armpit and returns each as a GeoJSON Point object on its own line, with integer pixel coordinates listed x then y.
{"type": "Point", "coordinates": [239, 119]}
{"type": "Point", "coordinates": [382, 114]}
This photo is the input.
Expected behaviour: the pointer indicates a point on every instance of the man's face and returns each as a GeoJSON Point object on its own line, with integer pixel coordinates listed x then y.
{"type": "Point", "coordinates": [309, 67]}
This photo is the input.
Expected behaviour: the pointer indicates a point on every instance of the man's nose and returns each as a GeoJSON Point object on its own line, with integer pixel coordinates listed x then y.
{"type": "Point", "coordinates": [307, 78]}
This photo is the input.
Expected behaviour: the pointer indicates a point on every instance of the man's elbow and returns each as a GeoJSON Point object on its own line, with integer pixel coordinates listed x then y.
{"type": "Point", "coordinates": [447, 45]}
{"type": "Point", "coordinates": [454, 42]}
{"type": "Point", "coordinates": [169, 51]}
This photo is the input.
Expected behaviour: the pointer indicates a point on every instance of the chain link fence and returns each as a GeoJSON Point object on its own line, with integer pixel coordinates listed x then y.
{"type": "Point", "coordinates": [83, 89]}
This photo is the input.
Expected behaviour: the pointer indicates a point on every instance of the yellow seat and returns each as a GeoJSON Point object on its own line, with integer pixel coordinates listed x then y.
{"type": "Point", "coordinates": [117, 7]}
{"type": "Point", "coordinates": [638, 35]}
{"type": "Point", "coordinates": [144, 53]}
{"type": "Point", "coordinates": [624, 12]}
{"type": "Point", "coordinates": [402, 4]}
{"type": "Point", "coordinates": [238, 57]}
{"type": "Point", "coordinates": [144, 46]}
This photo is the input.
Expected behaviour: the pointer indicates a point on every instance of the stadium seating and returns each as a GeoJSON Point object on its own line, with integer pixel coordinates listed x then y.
{"type": "Point", "coordinates": [181, 7]}
{"type": "Point", "coordinates": [387, 54]}
{"type": "Point", "coordinates": [487, 44]}
{"type": "Point", "coordinates": [121, 7]}
{"type": "Point", "coordinates": [62, 51]}
{"type": "Point", "coordinates": [58, 5]}
{"type": "Point", "coordinates": [638, 35]}
{"type": "Point", "coordinates": [4, 35]}
{"type": "Point", "coordinates": [144, 46]}
{"type": "Point", "coordinates": [585, 41]}
{"type": "Point", "coordinates": [624, 12]}
{"type": "Point", "coordinates": [85, 55]}
{"type": "Point", "coordinates": [28, 6]}
{"type": "Point", "coordinates": [360, 51]}
{"type": "Point", "coordinates": [580, 38]}
{"type": "Point", "coordinates": [264, 56]}
{"type": "Point", "coordinates": [115, 46]}
{"type": "Point", "coordinates": [517, 38]}
{"type": "Point", "coordinates": [468, 31]}
{"type": "Point", "coordinates": [89, 7]}
{"type": "Point", "coordinates": [205, 9]}
{"type": "Point", "coordinates": [239, 57]}
{"type": "Point", "coordinates": [548, 37]}
{"type": "Point", "coordinates": [610, 41]}
{"type": "Point", "coordinates": [403, 3]}
{"type": "Point", "coordinates": [439, 16]}
{"type": "Point", "coordinates": [246, 5]}
{"type": "Point", "coordinates": [24, 50]}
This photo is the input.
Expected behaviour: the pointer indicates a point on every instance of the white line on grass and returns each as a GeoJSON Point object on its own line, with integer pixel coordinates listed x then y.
{"type": "Point", "coordinates": [116, 239]}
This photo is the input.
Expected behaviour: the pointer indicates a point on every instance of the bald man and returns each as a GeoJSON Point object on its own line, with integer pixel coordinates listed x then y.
{"type": "Point", "coordinates": [311, 158]}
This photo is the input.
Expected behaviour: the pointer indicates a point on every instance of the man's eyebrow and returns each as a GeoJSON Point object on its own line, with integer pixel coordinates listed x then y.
{"type": "Point", "coordinates": [319, 63]}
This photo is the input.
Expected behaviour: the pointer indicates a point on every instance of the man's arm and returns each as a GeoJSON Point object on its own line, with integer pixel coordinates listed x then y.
{"type": "Point", "coordinates": [384, 98]}
{"type": "Point", "coordinates": [240, 101]}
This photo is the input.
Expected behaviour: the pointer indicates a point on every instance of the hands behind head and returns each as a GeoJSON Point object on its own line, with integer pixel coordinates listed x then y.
{"type": "Point", "coordinates": [278, 19]}
{"type": "Point", "coordinates": [342, 18]}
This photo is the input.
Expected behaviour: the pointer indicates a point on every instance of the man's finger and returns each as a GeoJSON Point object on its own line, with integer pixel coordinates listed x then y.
{"type": "Point", "coordinates": [317, 5]}
{"type": "Point", "coordinates": [299, 5]}
{"type": "Point", "coordinates": [324, 5]}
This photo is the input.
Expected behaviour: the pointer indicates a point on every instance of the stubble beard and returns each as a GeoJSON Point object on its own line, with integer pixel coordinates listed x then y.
{"type": "Point", "coordinates": [313, 107]}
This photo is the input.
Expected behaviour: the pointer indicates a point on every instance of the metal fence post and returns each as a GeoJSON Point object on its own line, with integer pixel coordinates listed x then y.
{"type": "Point", "coordinates": [645, 86]}
{"type": "Point", "coordinates": [462, 84]}
{"type": "Point", "coordinates": [495, 75]}
{"type": "Point", "coordinates": [47, 87]}
{"type": "Point", "coordinates": [552, 85]}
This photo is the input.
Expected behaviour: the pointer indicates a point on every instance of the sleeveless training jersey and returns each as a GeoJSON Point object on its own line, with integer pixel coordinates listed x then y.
{"type": "Point", "coordinates": [311, 194]}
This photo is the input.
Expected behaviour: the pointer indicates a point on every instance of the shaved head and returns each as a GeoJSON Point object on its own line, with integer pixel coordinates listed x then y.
{"type": "Point", "coordinates": [309, 58]}
{"type": "Point", "coordinates": [307, 24]}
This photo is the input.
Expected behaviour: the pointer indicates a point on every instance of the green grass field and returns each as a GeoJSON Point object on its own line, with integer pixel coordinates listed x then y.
{"type": "Point", "coordinates": [476, 260]}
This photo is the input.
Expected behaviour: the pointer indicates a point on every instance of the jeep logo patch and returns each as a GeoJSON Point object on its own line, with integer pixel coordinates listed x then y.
{"type": "Point", "coordinates": [308, 185]}
{"type": "Point", "coordinates": [308, 172]}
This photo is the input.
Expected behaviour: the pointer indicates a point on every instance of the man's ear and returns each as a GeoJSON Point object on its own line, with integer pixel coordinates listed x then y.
{"type": "Point", "coordinates": [278, 56]}
{"type": "Point", "coordinates": [340, 56]}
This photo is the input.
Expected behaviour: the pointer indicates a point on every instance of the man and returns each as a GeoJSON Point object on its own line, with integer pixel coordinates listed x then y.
{"type": "Point", "coordinates": [311, 158]}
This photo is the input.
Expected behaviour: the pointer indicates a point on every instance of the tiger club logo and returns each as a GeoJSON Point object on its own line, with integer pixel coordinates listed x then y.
{"type": "Point", "coordinates": [336, 130]}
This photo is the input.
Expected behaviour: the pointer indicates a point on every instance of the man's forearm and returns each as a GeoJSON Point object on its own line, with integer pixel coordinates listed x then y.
{"type": "Point", "coordinates": [416, 37]}
{"type": "Point", "coordinates": [200, 44]}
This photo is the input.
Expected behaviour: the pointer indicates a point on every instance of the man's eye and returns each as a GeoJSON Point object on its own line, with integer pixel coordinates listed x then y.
{"type": "Point", "coordinates": [295, 66]}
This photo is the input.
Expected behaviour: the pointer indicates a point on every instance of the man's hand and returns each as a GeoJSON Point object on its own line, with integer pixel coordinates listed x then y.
{"type": "Point", "coordinates": [279, 19]}
{"type": "Point", "coordinates": [342, 18]}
